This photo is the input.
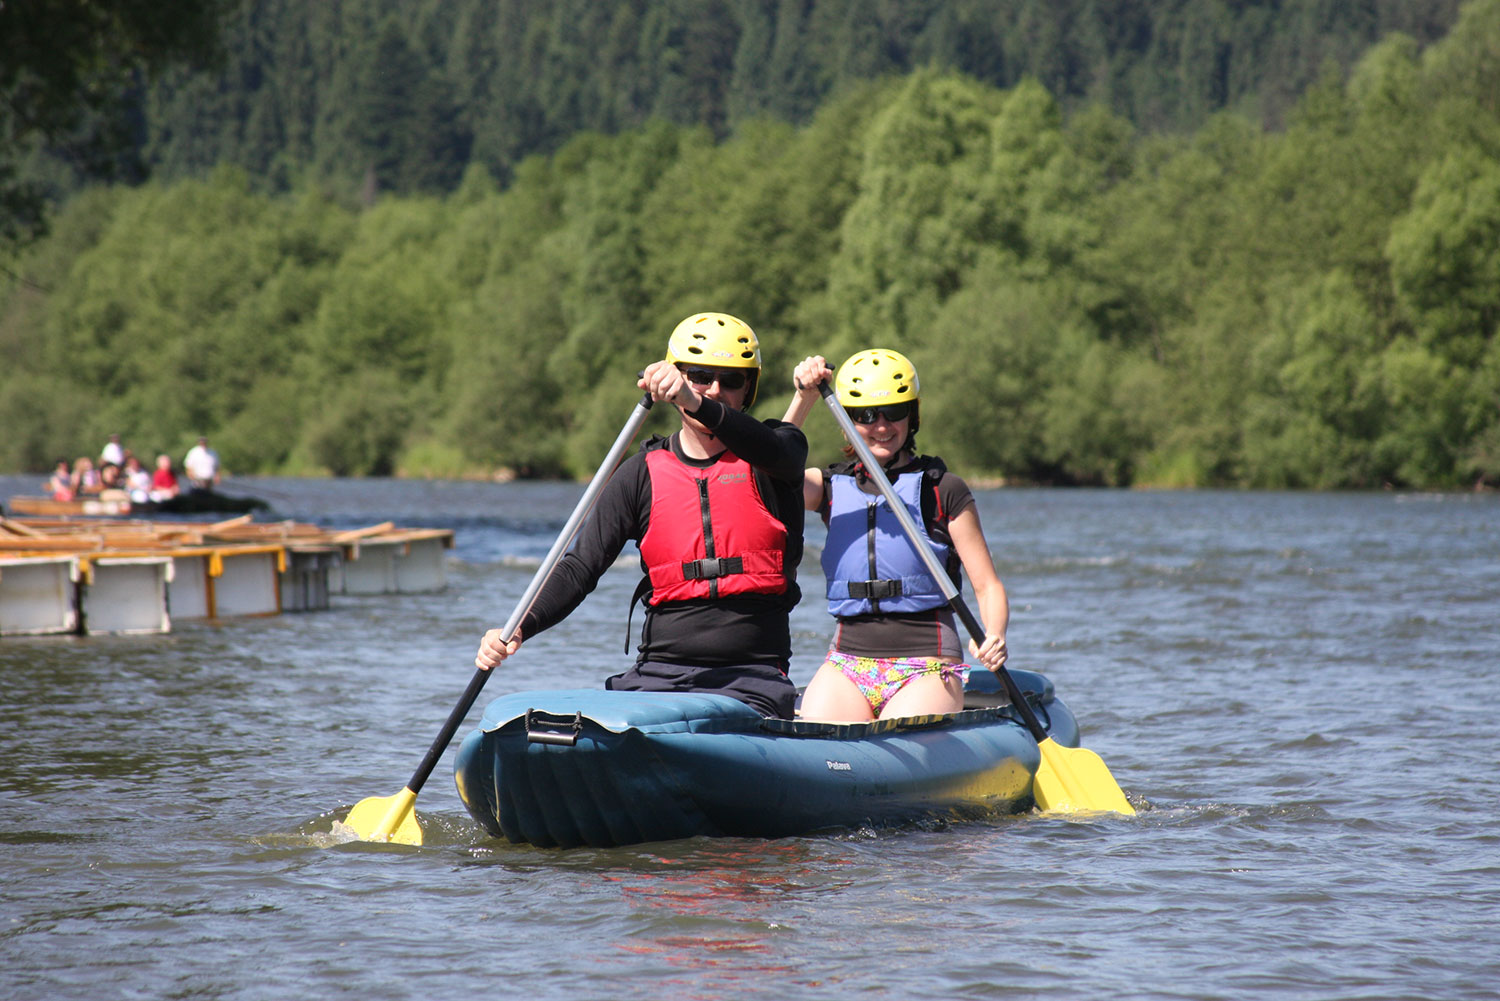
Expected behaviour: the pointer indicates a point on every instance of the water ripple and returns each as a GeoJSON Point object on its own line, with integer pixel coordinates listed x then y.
{"type": "Point", "coordinates": [1294, 690]}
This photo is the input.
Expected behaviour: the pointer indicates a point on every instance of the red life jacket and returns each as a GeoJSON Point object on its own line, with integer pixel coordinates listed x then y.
{"type": "Point", "coordinates": [711, 534]}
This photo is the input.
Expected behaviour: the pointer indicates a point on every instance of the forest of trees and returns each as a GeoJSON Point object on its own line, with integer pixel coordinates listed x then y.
{"type": "Point", "coordinates": [1286, 293]}
{"type": "Point", "coordinates": [402, 95]}
{"type": "Point", "coordinates": [405, 94]}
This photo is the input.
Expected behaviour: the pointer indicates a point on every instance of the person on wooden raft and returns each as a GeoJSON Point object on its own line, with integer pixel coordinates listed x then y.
{"type": "Point", "coordinates": [716, 512]}
{"type": "Point", "coordinates": [60, 485]}
{"type": "Point", "coordinates": [895, 649]}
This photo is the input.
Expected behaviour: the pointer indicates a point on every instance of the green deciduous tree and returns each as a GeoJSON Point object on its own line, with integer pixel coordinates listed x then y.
{"type": "Point", "coordinates": [920, 218]}
{"type": "Point", "coordinates": [1445, 255]}
{"type": "Point", "coordinates": [1316, 403]}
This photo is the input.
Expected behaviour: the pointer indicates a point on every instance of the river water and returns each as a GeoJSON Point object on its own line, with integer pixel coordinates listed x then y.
{"type": "Point", "coordinates": [1298, 690]}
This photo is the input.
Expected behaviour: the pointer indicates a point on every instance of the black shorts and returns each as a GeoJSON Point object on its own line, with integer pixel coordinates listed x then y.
{"type": "Point", "coordinates": [765, 689]}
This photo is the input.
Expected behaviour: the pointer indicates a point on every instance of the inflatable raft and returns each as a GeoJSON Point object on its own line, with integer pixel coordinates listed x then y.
{"type": "Point", "coordinates": [117, 504]}
{"type": "Point", "coordinates": [592, 767]}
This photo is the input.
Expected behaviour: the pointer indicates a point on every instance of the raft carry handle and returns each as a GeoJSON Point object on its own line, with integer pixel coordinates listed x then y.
{"type": "Point", "coordinates": [550, 728]}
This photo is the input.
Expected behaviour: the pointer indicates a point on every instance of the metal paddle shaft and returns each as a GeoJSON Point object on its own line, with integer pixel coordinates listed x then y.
{"type": "Point", "coordinates": [1057, 785]}
{"type": "Point", "coordinates": [394, 813]}
{"type": "Point", "coordinates": [564, 539]}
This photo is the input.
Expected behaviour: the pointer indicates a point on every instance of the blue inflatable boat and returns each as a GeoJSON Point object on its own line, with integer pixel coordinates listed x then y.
{"type": "Point", "coordinates": [593, 767]}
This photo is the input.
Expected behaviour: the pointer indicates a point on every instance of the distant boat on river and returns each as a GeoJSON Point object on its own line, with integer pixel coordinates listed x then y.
{"type": "Point", "coordinates": [114, 504]}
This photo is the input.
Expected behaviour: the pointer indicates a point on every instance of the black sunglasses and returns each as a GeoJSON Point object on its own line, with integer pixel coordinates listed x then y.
{"type": "Point", "coordinates": [892, 412]}
{"type": "Point", "coordinates": [727, 378]}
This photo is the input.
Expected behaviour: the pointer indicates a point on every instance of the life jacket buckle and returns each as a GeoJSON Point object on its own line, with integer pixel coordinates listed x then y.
{"type": "Point", "coordinates": [707, 569]}
{"type": "Point", "coordinates": [875, 590]}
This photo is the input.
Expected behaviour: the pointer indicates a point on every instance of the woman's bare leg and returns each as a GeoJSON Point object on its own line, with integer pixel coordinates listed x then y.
{"type": "Point", "coordinates": [832, 697]}
{"type": "Point", "coordinates": [931, 693]}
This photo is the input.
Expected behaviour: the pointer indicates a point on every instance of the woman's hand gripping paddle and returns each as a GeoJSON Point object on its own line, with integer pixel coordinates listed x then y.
{"type": "Point", "coordinates": [393, 818]}
{"type": "Point", "coordinates": [1069, 779]}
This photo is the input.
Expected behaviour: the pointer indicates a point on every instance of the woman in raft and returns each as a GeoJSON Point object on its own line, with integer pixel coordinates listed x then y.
{"type": "Point", "coordinates": [895, 649]}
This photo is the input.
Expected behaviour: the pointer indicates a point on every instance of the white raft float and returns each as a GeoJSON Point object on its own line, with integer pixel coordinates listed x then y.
{"type": "Point", "coordinates": [64, 576]}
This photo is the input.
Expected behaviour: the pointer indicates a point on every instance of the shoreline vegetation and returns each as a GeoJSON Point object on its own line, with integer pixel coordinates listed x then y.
{"type": "Point", "coordinates": [247, 483]}
{"type": "Point", "coordinates": [1311, 307]}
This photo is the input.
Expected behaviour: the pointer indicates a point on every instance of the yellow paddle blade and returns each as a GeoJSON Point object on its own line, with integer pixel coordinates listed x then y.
{"type": "Point", "coordinates": [1074, 780]}
{"type": "Point", "coordinates": [387, 818]}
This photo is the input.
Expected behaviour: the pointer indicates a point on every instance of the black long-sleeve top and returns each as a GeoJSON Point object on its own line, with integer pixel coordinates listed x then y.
{"type": "Point", "coordinates": [740, 629]}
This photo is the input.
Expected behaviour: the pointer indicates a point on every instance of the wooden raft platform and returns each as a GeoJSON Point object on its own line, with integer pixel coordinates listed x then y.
{"type": "Point", "coordinates": [63, 575]}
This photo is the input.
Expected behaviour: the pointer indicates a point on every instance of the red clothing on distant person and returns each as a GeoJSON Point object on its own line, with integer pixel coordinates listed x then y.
{"type": "Point", "coordinates": [163, 479]}
{"type": "Point", "coordinates": [60, 486]}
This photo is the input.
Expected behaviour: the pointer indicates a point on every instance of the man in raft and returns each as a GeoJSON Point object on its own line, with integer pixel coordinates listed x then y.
{"type": "Point", "coordinates": [716, 511]}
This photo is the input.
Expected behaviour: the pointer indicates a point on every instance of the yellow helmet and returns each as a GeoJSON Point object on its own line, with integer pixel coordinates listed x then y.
{"type": "Point", "coordinates": [876, 377]}
{"type": "Point", "coordinates": [716, 340]}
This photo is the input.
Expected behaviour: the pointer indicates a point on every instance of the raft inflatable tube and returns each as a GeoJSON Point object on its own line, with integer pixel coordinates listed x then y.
{"type": "Point", "coordinates": [590, 767]}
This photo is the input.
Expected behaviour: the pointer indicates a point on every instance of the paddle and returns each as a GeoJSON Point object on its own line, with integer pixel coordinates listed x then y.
{"type": "Point", "coordinates": [393, 818]}
{"type": "Point", "coordinates": [1069, 779]}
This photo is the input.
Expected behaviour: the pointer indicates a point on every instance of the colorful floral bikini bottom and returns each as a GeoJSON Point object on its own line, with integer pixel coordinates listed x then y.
{"type": "Point", "coordinates": [880, 678]}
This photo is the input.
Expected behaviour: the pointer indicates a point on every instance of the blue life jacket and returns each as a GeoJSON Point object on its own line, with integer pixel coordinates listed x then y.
{"type": "Point", "coordinates": [868, 561]}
